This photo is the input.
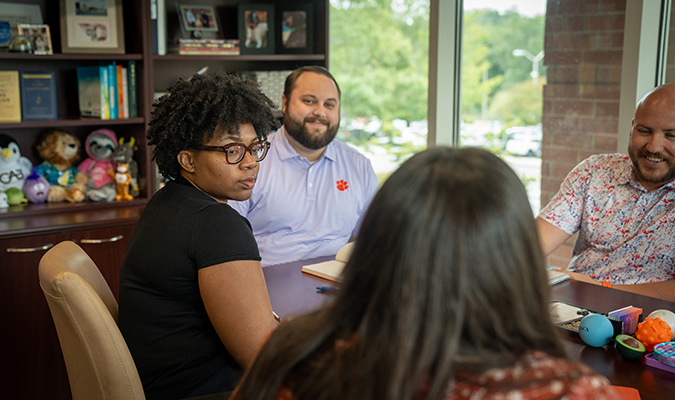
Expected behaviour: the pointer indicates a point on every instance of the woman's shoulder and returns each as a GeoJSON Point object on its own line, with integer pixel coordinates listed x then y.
{"type": "Point", "coordinates": [536, 375]}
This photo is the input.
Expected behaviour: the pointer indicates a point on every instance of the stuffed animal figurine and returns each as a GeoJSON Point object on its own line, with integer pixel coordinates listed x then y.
{"type": "Point", "coordinates": [100, 146]}
{"type": "Point", "coordinates": [124, 154]}
{"type": "Point", "coordinates": [59, 150]}
{"type": "Point", "coordinates": [15, 197]}
{"type": "Point", "coordinates": [123, 179]}
{"type": "Point", "coordinates": [36, 188]}
{"type": "Point", "coordinates": [13, 167]}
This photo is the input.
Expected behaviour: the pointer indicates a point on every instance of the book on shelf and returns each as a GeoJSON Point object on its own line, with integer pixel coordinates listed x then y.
{"type": "Point", "coordinates": [89, 91]}
{"type": "Point", "coordinates": [105, 93]}
{"type": "Point", "coordinates": [10, 97]}
{"type": "Point", "coordinates": [223, 43]}
{"type": "Point", "coordinates": [112, 88]}
{"type": "Point", "coordinates": [38, 95]}
{"type": "Point", "coordinates": [133, 89]}
{"type": "Point", "coordinates": [120, 93]}
{"type": "Point", "coordinates": [161, 27]}
{"type": "Point", "coordinates": [153, 22]}
{"type": "Point", "coordinates": [209, 52]}
{"type": "Point", "coordinates": [331, 270]}
{"type": "Point", "coordinates": [99, 94]}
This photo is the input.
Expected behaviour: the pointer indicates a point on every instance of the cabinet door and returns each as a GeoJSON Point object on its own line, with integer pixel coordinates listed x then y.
{"type": "Point", "coordinates": [31, 362]}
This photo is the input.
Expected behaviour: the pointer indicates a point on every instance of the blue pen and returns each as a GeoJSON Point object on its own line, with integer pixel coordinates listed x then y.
{"type": "Point", "coordinates": [327, 289]}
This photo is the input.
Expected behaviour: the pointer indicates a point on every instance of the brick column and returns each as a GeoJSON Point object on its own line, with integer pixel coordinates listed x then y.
{"type": "Point", "coordinates": [583, 47]}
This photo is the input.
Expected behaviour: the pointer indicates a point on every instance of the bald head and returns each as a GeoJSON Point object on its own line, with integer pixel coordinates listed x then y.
{"type": "Point", "coordinates": [660, 96]}
{"type": "Point", "coordinates": [652, 141]}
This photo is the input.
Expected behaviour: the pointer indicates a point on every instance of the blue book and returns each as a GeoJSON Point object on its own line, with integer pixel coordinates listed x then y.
{"type": "Point", "coordinates": [133, 89]}
{"type": "Point", "coordinates": [89, 91]}
{"type": "Point", "coordinates": [153, 18]}
{"type": "Point", "coordinates": [112, 92]}
{"type": "Point", "coordinates": [105, 93]}
{"type": "Point", "coordinates": [38, 95]}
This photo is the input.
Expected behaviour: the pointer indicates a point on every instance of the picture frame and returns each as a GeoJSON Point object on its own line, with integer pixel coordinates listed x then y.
{"type": "Point", "coordinates": [256, 28]}
{"type": "Point", "coordinates": [197, 21]}
{"type": "Point", "coordinates": [92, 26]}
{"type": "Point", "coordinates": [295, 29]}
{"type": "Point", "coordinates": [40, 37]}
{"type": "Point", "coordinates": [16, 14]}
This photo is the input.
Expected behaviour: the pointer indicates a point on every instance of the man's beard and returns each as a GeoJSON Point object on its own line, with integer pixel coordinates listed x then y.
{"type": "Point", "coordinates": [643, 176]}
{"type": "Point", "coordinates": [298, 130]}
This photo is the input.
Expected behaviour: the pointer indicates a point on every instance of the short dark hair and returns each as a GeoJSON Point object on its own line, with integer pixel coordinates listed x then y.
{"type": "Point", "coordinates": [447, 274]}
{"type": "Point", "coordinates": [188, 115]}
{"type": "Point", "coordinates": [293, 77]}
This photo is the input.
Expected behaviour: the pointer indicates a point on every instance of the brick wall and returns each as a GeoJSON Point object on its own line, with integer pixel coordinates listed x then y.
{"type": "Point", "coordinates": [583, 47]}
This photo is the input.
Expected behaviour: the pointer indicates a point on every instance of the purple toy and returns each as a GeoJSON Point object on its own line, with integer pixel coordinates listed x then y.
{"type": "Point", "coordinates": [35, 188]}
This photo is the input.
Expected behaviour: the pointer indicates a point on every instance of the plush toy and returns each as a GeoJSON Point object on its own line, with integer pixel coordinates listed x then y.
{"type": "Point", "coordinates": [15, 197]}
{"type": "Point", "coordinates": [124, 154]}
{"type": "Point", "coordinates": [13, 167]}
{"type": "Point", "coordinates": [36, 188]}
{"type": "Point", "coordinates": [123, 179]}
{"type": "Point", "coordinates": [59, 149]}
{"type": "Point", "coordinates": [99, 146]}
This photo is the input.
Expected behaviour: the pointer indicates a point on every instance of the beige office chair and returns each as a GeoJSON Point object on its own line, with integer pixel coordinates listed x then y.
{"type": "Point", "coordinates": [85, 312]}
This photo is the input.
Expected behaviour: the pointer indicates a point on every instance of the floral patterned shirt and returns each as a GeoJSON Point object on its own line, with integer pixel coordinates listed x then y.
{"type": "Point", "coordinates": [536, 376]}
{"type": "Point", "coordinates": [626, 234]}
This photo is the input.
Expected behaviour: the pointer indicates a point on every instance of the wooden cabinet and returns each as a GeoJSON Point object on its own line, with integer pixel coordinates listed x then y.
{"type": "Point", "coordinates": [31, 363]}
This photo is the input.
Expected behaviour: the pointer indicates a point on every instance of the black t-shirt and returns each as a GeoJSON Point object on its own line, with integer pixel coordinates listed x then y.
{"type": "Point", "coordinates": [162, 316]}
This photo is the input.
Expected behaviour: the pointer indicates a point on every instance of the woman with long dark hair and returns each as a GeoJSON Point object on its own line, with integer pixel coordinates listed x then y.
{"type": "Point", "coordinates": [444, 296]}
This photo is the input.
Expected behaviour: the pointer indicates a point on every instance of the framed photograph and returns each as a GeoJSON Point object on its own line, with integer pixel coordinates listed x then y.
{"type": "Point", "coordinates": [39, 36]}
{"type": "Point", "coordinates": [256, 28]}
{"type": "Point", "coordinates": [198, 21]}
{"type": "Point", "coordinates": [92, 26]}
{"type": "Point", "coordinates": [295, 29]}
{"type": "Point", "coordinates": [15, 14]}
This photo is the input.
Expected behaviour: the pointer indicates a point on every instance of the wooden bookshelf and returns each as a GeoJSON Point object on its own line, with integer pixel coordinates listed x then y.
{"type": "Point", "coordinates": [32, 365]}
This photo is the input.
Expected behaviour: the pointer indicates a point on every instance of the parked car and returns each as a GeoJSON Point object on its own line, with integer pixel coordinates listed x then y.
{"type": "Point", "coordinates": [524, 141]}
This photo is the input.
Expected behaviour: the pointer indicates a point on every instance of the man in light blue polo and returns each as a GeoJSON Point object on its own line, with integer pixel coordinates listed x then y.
{"type": "Point", "coordinates": [312, 191]}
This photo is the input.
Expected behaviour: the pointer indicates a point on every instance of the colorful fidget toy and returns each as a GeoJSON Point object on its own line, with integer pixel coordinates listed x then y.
{"type": "Point", "coordinates": [665, 352]}
{"type": "Point", "coordinates": [653, 331]}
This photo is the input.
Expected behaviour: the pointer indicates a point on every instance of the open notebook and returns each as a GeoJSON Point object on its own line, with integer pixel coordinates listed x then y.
{"type": "Point", "coordinates": [331, 270]}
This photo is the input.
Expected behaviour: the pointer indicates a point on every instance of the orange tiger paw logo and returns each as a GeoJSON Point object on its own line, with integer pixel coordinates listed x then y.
{"type": "Point", "coordinates": [342, 185]}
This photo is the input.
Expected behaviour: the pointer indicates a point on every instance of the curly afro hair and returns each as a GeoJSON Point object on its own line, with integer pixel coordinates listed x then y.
{"type": "Point", "coordinates": [188, 115]}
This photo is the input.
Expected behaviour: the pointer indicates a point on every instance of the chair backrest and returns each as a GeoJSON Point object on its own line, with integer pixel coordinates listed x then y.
{"type": "Point", "coordinates": [85, 312]}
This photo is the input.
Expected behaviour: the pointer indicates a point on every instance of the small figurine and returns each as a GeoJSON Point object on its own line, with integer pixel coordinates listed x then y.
{"type": "Point", "coordinates": [15, 197]}
{"type": "Point", "coordinates": [124, 154]}
{"type": "Point", "coordinates": [36, 188]}
{"type": "Point", "coordinates": [14, 168]}
{"type": "Point", "coordinates": [59, 150]}
{"type": "Point", "coordinates": [3, 200]}
{"type": "Point", "coordinates": [100, 146]}
{"type": "Point", "coordinates": [123, 179]}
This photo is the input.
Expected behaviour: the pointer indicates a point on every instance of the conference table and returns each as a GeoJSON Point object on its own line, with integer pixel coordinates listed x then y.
{"type": "Point", "coordinates": [293, 292]}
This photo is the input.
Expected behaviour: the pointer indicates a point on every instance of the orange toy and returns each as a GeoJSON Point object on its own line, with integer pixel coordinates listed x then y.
{"type": "Point", "coordinates": [652, 332]}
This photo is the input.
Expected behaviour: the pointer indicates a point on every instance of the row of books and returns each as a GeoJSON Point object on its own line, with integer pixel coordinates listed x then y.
{"type": "Point", "coordinates": [108, 91]}
{"type": "Point", "coordinates": [27, 95]}
{"type": "Point", "coordinates": [210, 47]}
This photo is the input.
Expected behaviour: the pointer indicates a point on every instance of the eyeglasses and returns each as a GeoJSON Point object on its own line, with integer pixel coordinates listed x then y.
{"type": "Point", "coordinates": [235, 151]}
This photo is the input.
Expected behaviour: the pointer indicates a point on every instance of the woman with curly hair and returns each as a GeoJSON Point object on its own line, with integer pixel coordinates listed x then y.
{"type": "Point", "coordinates": [193, 302]}
{"type": "Point", "coordinates": [445, 296]}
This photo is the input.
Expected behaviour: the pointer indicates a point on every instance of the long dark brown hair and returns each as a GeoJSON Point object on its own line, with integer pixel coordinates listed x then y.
{"type": "Point", "coordinates": [447, 273]}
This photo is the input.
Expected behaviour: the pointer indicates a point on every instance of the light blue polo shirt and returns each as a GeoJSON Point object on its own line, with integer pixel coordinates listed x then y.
{"type": "Point", "coordinates": [300, 210]}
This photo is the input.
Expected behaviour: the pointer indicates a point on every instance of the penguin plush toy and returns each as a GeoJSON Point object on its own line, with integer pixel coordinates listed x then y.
{"type": "Point", "coordinates": [14, 169]}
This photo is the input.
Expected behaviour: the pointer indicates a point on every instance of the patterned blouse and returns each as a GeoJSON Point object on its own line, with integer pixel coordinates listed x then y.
{"type": "Point", "coordinates": [626, 234]}
{"type": "Point", "coordinates": [536, 376]}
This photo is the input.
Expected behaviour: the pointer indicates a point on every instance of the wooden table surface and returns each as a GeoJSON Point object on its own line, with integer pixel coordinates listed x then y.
{"type": "Point", "coordinates": [292, 292]}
